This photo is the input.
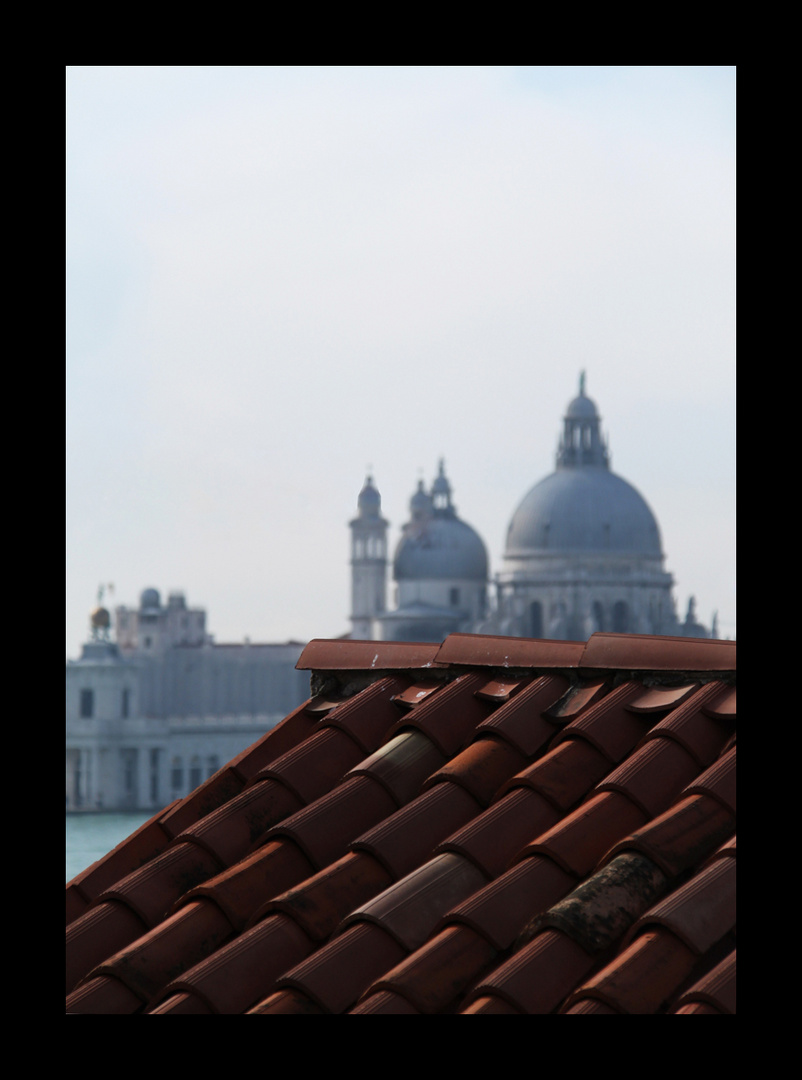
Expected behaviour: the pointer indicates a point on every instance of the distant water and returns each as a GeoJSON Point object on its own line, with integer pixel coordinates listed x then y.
{"type": "Point", "coordinates": [90, 836]}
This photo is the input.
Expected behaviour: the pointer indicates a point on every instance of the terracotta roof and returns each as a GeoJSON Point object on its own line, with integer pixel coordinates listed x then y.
{"type": "Point", "coordinates": [494, 825]}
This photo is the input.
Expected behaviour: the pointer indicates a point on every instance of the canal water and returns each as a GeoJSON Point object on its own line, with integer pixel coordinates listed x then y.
{"type": "Point", "coordinates": [90, 836]}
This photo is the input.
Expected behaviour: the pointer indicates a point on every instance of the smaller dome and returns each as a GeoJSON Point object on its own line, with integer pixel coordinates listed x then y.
{"type": "Point", "coordinates": [440, 547]}
{"type": "Point", "coordinates": [435, 543]}
{"type": "Point", "coordinates": [150, 598]}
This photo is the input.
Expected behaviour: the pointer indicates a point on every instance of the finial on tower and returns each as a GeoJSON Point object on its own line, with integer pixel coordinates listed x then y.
{"type": "Point", "coordinates": [582, 384]}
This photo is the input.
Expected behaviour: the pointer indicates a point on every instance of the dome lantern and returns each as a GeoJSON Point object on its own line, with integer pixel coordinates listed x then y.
{"type": "Point", "coordinates": [582, 442]}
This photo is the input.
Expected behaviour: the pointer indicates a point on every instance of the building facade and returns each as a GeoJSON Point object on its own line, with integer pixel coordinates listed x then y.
{"type": "Point", "coordinates": [583, 553]}
{"type": "Point", "coordinates": [153, 713]}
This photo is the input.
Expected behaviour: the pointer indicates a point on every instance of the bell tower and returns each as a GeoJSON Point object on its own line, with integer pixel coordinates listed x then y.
{"type": "Point", "coordinates": [368, 562]}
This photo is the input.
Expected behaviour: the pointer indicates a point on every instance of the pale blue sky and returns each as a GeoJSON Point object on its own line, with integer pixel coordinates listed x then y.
{"type": "Point", "coordinates": [279, 276]}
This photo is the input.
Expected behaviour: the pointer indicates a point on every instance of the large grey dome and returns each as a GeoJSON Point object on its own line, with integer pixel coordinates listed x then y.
{"type": "Point", "coordinates": [440, 547]}
{"type": "Point", "coordinates": [583, 509]}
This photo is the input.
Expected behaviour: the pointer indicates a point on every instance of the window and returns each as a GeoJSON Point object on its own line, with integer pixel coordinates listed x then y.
{"type": "Point", "coordinates": [177, 775]}
{"type": "Point", "coordinates": [126, 702]}
{"type": "Point", "coordinates": [194, 773]}
{"type": "Point", "coordinates": [453, 597]}
{"type": "Point", "coordinates": [536, 619]}
{"type": "Point", "coordinates": [87, 703]}
{"type": "Point", "coordinates": [154, 776]}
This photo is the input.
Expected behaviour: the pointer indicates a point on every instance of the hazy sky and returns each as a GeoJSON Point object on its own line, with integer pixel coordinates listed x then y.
{"type": "Point", "coordinates": [279, 277]}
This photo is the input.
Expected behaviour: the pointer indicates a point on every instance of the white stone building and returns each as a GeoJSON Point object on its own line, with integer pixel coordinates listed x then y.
{"type": "Point", "coordinates": [154, 713]}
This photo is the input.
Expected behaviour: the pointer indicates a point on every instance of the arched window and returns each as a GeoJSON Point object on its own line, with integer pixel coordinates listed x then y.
{"type": "Point", "coordinates": [536, 619]}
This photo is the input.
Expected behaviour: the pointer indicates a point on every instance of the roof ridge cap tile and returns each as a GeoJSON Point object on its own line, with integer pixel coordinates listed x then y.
{"type": "Point", "coordinates": [346, 654]}
{"type": "Point", "coordinates": [497, 651]}
{"type": "Point", "coordinates": [654, 652]}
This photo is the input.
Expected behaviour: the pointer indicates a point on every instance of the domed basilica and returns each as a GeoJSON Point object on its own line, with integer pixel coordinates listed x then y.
{"type": "Point", "coordinates": [583, 553]}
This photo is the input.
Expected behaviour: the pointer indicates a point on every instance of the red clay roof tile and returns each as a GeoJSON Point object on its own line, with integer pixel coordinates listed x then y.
{"type": "Point", "coordinates": [384, 1003]}
{"type": "Point", "coordinates": [184, 1004]}
{"type": "Point", "coordinates": [214, 792]}
{"type": "Point", "coordinates": [314, 767]}
{"type": "Point", "coordinates": [699, 734]}
{"type": "Point", "coordinates": [324, 829]}
{"type": "Point", "coordinates": [723, 706]}
{"type": "Point", "coordinates": [495, 837]}
{"type": "Point", "coordinates": [368, 716]}
{"type": "Point", "coordinates": [77, 903]}
{"type": "Point", "coordinates": [501, 690]}
{"type": "Point", "coordinates": [662, 698]}
{"type": "Point", "coordinates": [103, 996]}
{"type": "Point", "coordinates": [229, 832]}
{"type": "Point", "coordinates": [564, 775]}
{"type": "Point", "coordinates": [415, 693]}
{"type": "Point", "coordinates": [450, 716]}
{"type": "Point", "coordinates": [320, 903]}
{"type": "Point", "coordinates": [244, 971]}
{"type": "Point", "coordinates": [716, 989]}
{"type": "Point", "coordinates": [577, 842]}
{"type": "Point", "coordinates": [520, 721]}
{"type": "Point", "coordinates": [241, 890]}
{"type": "Point", "coordinates": [576, 699]}
{"type": "Point", "coordinates": [149, 963]}
{"type": "Point", "coordinates": [726, 850]}
{"type": "Point", "coordinates": [681, 837]}
{"type": "Point", "coordinates": [337, 974]}
{"type": "Point", "coordinates": [481, 768]}
{"type": "Point", "coordinates": [411, 908]}
{"type": "Point", "coordinates": [408, 837]}
{"type": "Point", "coordinates": [589, 1007]}
{"type": "Point", "coordinates": [402, 765]}
{"type": "Point", "coordinates": [537, 977]}
{"type": "Point", "coordinates": [718, 782]}
{"type": "Point", "coordinates": [491, 1005]}
{"type": "Point", "coordinates": [152, 890]}
{"type": "Point", "coordinates": [433, 976]}
{"type": "Point", "coordinates": [500, 909]}
{"type": "Point", "coordinates": [609, 725]}
{"type": "Point", "coordinates": [643, 977]}
{"type": "Point", "coordinates": [101, 931]}
{"type": "Point", "coordinates": [700, 912]}
{"type": "Point", "coordinates": [286, 1003]}
{"type": "Point", "coordinates": [653, 776]}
